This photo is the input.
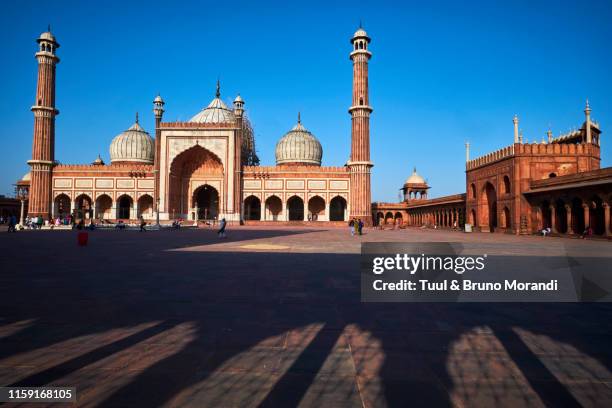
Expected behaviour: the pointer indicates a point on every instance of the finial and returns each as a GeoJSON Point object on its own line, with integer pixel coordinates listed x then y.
{"type": "Point", "coordinates": [49, 27]}
{"type": "Point", "coordinates": [587, 108]}
{"type": "Point", "coordinates": [299, 118]}
{"type": "Point", "coordinates": [218, 94]}
{"type": "Point", "coordinates": [414, 169]}
{"type": "Point", "coordinates": [136, 117]}
{"type": "Point", "coordinates": [360, 24]}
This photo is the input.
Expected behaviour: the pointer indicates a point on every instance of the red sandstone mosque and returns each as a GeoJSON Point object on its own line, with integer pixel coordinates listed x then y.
{"type": "Point", "coordinates": [204, 168]}
{"type": "Point", "coordinates": [207, 168]}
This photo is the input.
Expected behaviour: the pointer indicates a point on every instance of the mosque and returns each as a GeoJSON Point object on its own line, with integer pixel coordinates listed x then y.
{"type": "Point", "coordinates": [207, 168]}
{"type": "Point", "coordinates": [201, 169]}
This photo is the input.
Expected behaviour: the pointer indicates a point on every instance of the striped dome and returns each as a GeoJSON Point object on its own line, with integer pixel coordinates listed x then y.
{"type": "Point", "coordinates": [215, 112]}
{"type": "Point", "coordinates": [134, 146]}
{"type": "Point", "coordinates": [299, 146]}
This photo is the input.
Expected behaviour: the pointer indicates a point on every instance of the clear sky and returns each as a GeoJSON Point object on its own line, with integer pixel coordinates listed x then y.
{"type": "Point", "coordinates": [442, 73]}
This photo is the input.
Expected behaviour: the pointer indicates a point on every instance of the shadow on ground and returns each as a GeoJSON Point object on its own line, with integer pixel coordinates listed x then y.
{"type": "Point", "coordinates": [131, 324]}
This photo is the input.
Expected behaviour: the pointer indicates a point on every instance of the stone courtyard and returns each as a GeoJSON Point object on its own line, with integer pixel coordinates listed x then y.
{"type": "Point", "coordinates": [271, 316]}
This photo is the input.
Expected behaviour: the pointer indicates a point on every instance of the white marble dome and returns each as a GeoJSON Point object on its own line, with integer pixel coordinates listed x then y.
{"type": "Point", "coordinates": [415, 178]}
{"type": "Point", "coordinates": [299, 146]}
{"type": "Point", "coordinates": [134, 145]}
{"type": "Point", "coordinates": [215, 112]}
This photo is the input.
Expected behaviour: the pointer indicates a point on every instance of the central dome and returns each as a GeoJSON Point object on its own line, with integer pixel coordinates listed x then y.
{"type": "Point", "coordinates": [133, 146]}
{"type": "Point", "coordinates": [299, 146]}
{"type": "Point", "coordinates": [215, 112]}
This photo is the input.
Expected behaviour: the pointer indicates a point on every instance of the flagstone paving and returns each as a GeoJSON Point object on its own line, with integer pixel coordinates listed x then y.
{"type": "Point", "coordinates": [272, 317]}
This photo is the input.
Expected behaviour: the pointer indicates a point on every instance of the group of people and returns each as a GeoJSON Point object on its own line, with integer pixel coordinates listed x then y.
{"type": "Point", "coordinates": [587, 233]}
{"type": "Point", "coordinates": [356, 226]}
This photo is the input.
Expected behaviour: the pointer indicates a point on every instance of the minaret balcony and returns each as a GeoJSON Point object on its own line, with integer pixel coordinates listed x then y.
{"type": "Point", "coordinates": [367, 108]}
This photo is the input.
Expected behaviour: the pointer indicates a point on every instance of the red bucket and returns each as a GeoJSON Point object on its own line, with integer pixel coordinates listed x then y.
{"type": "Point", "coordinates": [82, 238]}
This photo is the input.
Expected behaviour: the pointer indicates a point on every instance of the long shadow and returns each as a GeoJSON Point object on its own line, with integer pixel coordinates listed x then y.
{"type": "Point", "coordinates": [242, 300]}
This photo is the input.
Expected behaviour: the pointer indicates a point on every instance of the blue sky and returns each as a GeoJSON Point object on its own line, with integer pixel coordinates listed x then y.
{"type": "Point", "coordinates": [442, 73]}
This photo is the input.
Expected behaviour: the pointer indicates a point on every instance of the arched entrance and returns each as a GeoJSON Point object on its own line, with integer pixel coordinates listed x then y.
{"type": "Point", "coordinates": [193, 165]}
{"type": "Point", "coordinates": [62, 206]}
{"type": "Point", "coordinates": [316, 208]}
{"type": "Point", "coordinates": [252, 208]}
{"type": "Point", "coordinates": [83, 208]}
{"type": "Point", "coordinates": [337, 208]}
{"type": "Point", "coordinates": [505, 218]}
{"type": "Point", "coordinates": [124, 205]}
{"type": "Point", "coordinates": [206, 200]}
{"type": "Point", "coordinates": [398, 218]}
{"type": "Point", "coordinates": [488, 220]}
{"type": "Point", "coordinates": [274, 207]}
{"type": "Point", "coordinates": [389, 218]}
{"type": "Point", "coordinates": [104, 204]}
{"type": "Point", "coordinates": [295, 206]}
{"type": "Point", "coordinates": [145, 206]}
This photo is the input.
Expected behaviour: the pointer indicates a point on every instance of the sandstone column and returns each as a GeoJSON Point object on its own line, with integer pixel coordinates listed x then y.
{"type": "Point", "coordinates": [359, 163]}
{"type": "Point", "coordinates": [43, 146]}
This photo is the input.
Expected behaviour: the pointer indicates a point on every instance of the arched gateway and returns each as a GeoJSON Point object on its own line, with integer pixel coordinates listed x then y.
{"type": "Point", "coordinates": [206, 202]}
{"type": "Point", "coordinates": [193, 180]}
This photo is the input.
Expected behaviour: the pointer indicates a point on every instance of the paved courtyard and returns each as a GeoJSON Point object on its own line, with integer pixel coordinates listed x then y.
{"type": "Point", "coordinates": [272, 317]}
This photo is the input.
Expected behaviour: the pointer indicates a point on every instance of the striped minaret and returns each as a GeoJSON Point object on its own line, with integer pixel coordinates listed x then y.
{"type": "Point", "coordinates": [43, 145]}
{"type": "Point", "coordinates": [359, 163]}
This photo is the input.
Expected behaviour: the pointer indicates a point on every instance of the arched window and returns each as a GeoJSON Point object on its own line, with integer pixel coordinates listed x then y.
{"type": "Point", "coordinates": [472, 190]}
{"type": "Point", "coordinates": [252, 208]}
{"type": "Point", "coordinates": [295, 206]}
{"type": "Point", "coordinates": [506, 185]}
{"type": "Point", "coordinates": [337, 208]}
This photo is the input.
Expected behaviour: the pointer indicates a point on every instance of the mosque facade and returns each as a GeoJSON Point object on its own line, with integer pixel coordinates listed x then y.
{"type": "Point", "coordinates": [204, 168]}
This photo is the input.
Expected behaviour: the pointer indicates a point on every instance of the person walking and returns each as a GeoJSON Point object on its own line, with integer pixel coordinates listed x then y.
{"type": "Point", "coordinates": [355, 226]}
{"type": "Point", "coordinates": [360, 227]}
{"type": "Point", "coordinates": [351, 225]}
{"type": "Point", "coordinates": [12, 222]}
{"type": "Point", "coordinates": [143, 223]}
{"type": "Point", "coordinates": [222, 226]}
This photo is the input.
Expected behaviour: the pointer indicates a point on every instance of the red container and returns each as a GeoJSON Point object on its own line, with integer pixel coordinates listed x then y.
{"type": "Point", "coordinates": [82, 238]}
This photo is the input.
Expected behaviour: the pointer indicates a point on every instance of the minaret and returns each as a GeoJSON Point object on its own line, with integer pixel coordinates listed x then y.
{"type": "Point", "coordinates": [239, 113]}
{"type": "Point", "coordinates": [516, 129]}
{"type": "Point", "coordinates": [158, 111]}
{"type": "Point", "coordinates": [549, 135]}
{"type": "Point", "coordinates": [43, 145]}
{"type": "Point", "coordinates": [587, 123]}
{"type": "Point", "coordinates": [359, 163]}
{"type": "Point", "coordinates": [467, 152]}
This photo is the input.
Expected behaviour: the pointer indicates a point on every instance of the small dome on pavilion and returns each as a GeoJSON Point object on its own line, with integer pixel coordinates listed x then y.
{"type": "Point", "coordinates": [415, 178]}
{"type": "Point", "coordinates": [26, 177]}
{"type": "Point", "coordinates": [360, 33]}
{"type": "Point", "coordinates": [47, 36]}
{"type": "Point", "coordinates": [98, 161]}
